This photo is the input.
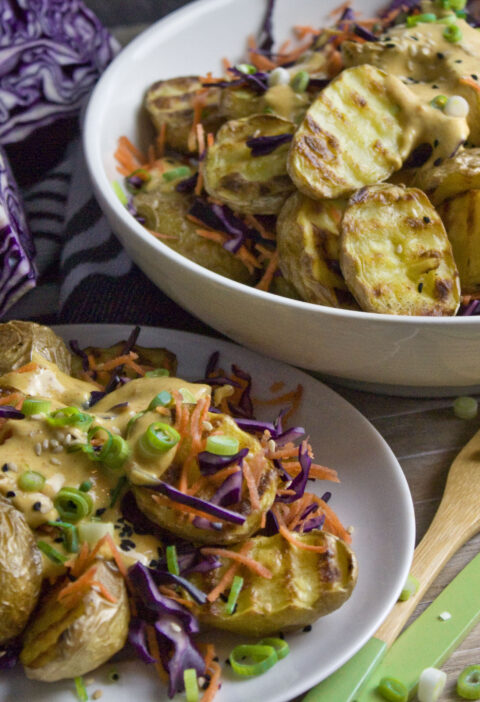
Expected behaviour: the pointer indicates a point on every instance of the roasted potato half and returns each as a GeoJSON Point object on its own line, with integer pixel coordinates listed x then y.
{"type": "Point", "coordinates": [18, 340]}
{"type": "Point", "coordinates": [395, 254]}
{"type": "Point", "coordinates": [20, 571]}
{"type": "Point", "coordinates": [158, 508]}
{"type": "Point", "coordinates": [454, 176]}
{"type": "Point", "coordinates": [305, 585]}
{"type": "Point", "coordinates": [308, 237]}
{"type": "Point", "coordinates": [154, 358]}
{"type": "Point", "coordinates": [240, 101]}
{"type": "Point", "coordinates": [247, 183]}
{"type": "Point", "coordinates": [63, 642]}
{"type": "Point", "coordinates": [166, 214]}
{"type": "Point", "coordinates": [352, 135]}
{"type": "Point", "coordinates": [461, 217]}
{"type": "Point", "coordinates": [172, 103]}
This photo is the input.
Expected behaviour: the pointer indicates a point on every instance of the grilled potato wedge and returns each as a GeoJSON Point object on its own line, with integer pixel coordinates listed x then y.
{"type": "Point", "coordinates": [20, 571]}
{"type": "Point", "coordinates": [395, 254]}
{"type": "Point", "coordinates": [352, 135]}
{"type": "Point", "coordinates": [249, 184]}
{"type": "Point", "coordinates": [158, 508]}
{"type": "Point", "coordinates": [63, 642]}
{"type": "Point", "coordinates": [305, 585]}
{"type": "Point", "coordinates": [461, 217]}
{"type": "Point", "coordinates": [19, 340]}
{"type": "Point", "coordinates": [240, 101]}
{"type": "Point", "coordinates": [166, 213]}
{"type": "Point", "coordinates": [155, 358]}
{"type": "Point", "coordinates": [172, 103]}
{"type": "Point", "coordinates": [454, 176]}
{"type": "Point", "coordinates": [308, 238]}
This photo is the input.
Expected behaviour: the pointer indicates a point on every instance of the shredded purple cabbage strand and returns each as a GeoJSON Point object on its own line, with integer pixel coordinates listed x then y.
{"type": "Point", "coordinates": [264, 145]}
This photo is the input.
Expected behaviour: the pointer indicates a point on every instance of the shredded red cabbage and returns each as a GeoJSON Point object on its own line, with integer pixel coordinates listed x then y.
{"type": "Point", "coordinates": [9, 653]}
{"type": "Point", "coordinates": [187, 185]}
{"type": "Point", "coordinates": [472, 309]}
{"type": "Point", "coordinates": [256, 81]}
{"type": "Point", "coordinates": [364, 33]}
{"type": "Point", "coordinates": [192, 501]}
{"type": "Point", "coordinates": [164, 576]}
{"type": "Point", "coordinates": [9, 412]}
{"type": "Point", "coordinates": [53, 52]}
{"type": "Point", "coordinates": [210, 463]}
{"type": "Point", "coordinates": [75, 347]}
{"type": "Point", "coordinates": [139, 521]}
{"type": "Point", "coordinates": [183, 656]}
{"type": "Point", "coordinates": [264, 145]}
{"type": "Point", "coordinates": [266, 40]}
{"type": "Point", "coordinates": [299, 483]}
{"type": "Point", "coordinates": [137, 636]}
{"type": "Point", "coordinates": [17, 250]}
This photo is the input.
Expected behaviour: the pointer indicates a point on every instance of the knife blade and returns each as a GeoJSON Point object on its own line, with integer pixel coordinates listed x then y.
{"type": "Point", "coordinates": [428, 642]}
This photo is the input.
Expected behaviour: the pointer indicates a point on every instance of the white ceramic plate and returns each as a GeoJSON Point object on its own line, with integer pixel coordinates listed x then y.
{"type": "Point", "coordinates": [373, 496]}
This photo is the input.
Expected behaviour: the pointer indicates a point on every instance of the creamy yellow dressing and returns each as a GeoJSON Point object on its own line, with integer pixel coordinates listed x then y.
{"type": "Point", "coordinates": [32, 444]}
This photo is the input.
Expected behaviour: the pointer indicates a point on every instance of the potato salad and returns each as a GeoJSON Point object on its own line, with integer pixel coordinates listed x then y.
{"type": "Point", "coordinates": [340, 168]}
{"type": "Point", "coordinates": [140, 508]}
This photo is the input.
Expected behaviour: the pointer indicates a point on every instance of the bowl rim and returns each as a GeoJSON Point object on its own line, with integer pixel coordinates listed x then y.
{"type": "Point", "coordinates": [109, 202]}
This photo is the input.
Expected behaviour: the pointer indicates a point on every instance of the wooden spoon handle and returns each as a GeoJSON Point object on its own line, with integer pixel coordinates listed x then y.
{"type": "Point", "coordinates": [436, 548]}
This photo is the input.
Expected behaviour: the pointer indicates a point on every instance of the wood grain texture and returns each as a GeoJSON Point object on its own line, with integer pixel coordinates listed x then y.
{"type": "Point", "coordinates": [424, 434]}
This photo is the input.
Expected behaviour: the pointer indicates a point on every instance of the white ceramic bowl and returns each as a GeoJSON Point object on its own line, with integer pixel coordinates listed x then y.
{"type": "Point", "coordinates": [400, 355]}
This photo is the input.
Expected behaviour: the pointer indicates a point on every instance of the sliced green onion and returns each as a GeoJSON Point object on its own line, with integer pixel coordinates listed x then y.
{"type": "Point", "coordinates": [172, 560]}
{"type": "Point", "coordinates": [69, 534]}
{"type": "Point", "coordinates": [468, 683]}
{"type": "Point", "coordinates": [235, 589]}
{"type": "Point", "coordinates": [452, 33]}
{"type": "Point", "coordinates": [191, 684]}
{"type": "Point", "coordinates": [132, 421]}
{"type": "Point", "coordinates": [409, 589]}
{"type": "Point", "coordinates": [69, 417]}
{"type": "Point", "coordinates": [393, 690]}
{"type": "Point", "coordinates": [246, 68]}
{"type": "Point", "coordinates": [72, 505]}
{"type": "Point", "coordinates": [163, 399]}
{"type": "Point", "coordinates": [222, 445]}
{"type": "Point", "coordinates": [157, 373]}
{"type": "Point", "coordinates": [412, 20]}
{"type": "Point", "coordinates": [175, 173]}
{"type": "Point", "coordinates": [300, 81]}
{"type": "Point", "coordinates": [92, 532]}
{"type": "Point", "coordinates": [439, 101]}
{"type": "Point", "coordinates": [461, 14]}
{"type": "Point", "coordinates": [187, 396]}
{"type": "Point", "coordinates": [465, 407]}
{"type": "Point", "coordinates": [85, 486]}
{"type": "Point", "coordinates": [448, 19]}
{"type": "Point", "coordinates": [457, 5]}
{"type": "Point", "coordinates": [115, 493]}
{"type": "Point", "coordinates": [116, 454]}
{"type": "Point", "coordinates": [32, 405]}
{"type": "Point", "coordinates": [118, 190]}
{"type": "Point", "coordinates": [31, 481]}
{"type": "Point", "coordinates": [159, 438]}
{"type": "Point", "coordinates": [431, 684]}
{"type": "Point", "coordinates": [52, 553]}
{"type": "Point", "coordinates": [280, 645]}
{"type": "Point", "coordinates": [252, 659]}
{"type": "Point", "coordinates": [81, 689]}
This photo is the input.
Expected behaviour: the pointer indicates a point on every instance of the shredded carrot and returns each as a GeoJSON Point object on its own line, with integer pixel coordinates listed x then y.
{"type": "Point", "coordinates": [323, 473]}
{"type": "Point", "coordinates": [259, 61]}
{"type": "Point", "coordinates": [210, 139]}
{"type": "Point", "coordinates": [340, 8]}
{"type": "Point", "coordinates": [304, 30]}
{"type": "Point", "coordinates": [103, 590]}
{"type": "Point", "coordinates": [266, 279]}
{"type": "Point", "coordinates": [200, 138]}
{"type": "Point", "coordinates": [226, 64]}
{"type": "Point", "coordinates": [334, 63]}
{"type": "Point", "coordinates": [74, 591]}
{"type": "Point", "coordinates": [126, 359]}
{"type": "Point", "coordinates": [252, 486]}
{"type": "Point", "coordinates": [229, 574]}
{"type": "Point", "coordinates": [107, 539]}
{"type": "Point", "coordinates": [465, 80]}
{"type": "Point", "coordinates": [294, 397]}
{"type": "Point", "coordinates": [253, 222]}
{"type": "Point", "coordinates": [288, 536]}
{"type": "Point", "coordinates": [209, 654]}
{"type": "Point", "coordinates": [159, 235]}
{"type": "Point", "coordinates": [332, 522]}
{"type": "Point", "coordinates": [174, 596]}
{"type": "Point", "coordinates": [125, 141]}
{"type": "Point", "coordinates": [214, 684]}
{"type": "Point", "coordinates": [28, 367]}
{"type": "Point", "coordinates": [214, 479]}
{"type": "Point", "coordinates": [155, 653]}
{"type": "Point", "coordinates": [250, 563]}
{"type": "Point", "coordinates": [78, 564]}
{"type": "Point", "coordinates": [160, 141]}
{"type": "Point", "coordinates": [10, 399]}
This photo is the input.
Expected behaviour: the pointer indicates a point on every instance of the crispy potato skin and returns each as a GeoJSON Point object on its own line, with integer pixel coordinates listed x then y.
{"type": "Point", "coordinates": [61, 643]}
{"type": "Point", "coordinates": [454, 176]}
{"type": "Point", "coordinates": [305, 585]}
{"type": "Point", "coordinates": [461, 217]}
{"type": "Point", "coordinates": [166, 213]}
{"type": "Point", "coordinates": [395, 254]}
{"type": "Point", "coordinates": [308, 238]}
{"type": "Point", "coordinates": [160, 512]}
{"type": "Point", "coordinates": [171, 103]}
{"type": "Point", "coordinates": [20, 571]}
{"type": "Point", "coordinates": [351, 136]}
{"type": "Point", "coordinates": [18, 340]}
{"type": "Point", "coordinates": [249, 184]}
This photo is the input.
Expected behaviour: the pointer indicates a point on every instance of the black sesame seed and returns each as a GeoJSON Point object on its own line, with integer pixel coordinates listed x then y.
{"type": "Point", "coordinates": [37, 506]}
{"type": "Point", "coordinates": [116, 526]}
{"type": "Point", "coordinates": [10, 493]}
{"type": "Point", "coordinates": [5, 467]}
{"type": "Point", "coordinates": [427, 220]}
{"type": "Point", "coordinates": [223, 597]}
{"type": "Point", "coordinates": [100, 511]}
{"type": "Point", "coordinates": [127, 544]}
{"type": "Point", "coordinates": [114, 676]}
{"type": "Point", "coordinates": [440, 55]}
{"type": "Point", "coordinates": [420, 287]}
{"type": "Point", "coordinates": [390, 46]}
{"type": "Point", "coordinates": [459, 61]}
{"type": "Point", "coordinates": [205, 684]}
{"type": "Point", "coordinates": [307, 628]}
{"type": "Point", "coordinates": [216, 659]}
{"type": "Point", "coordinates": [281, 635]}
{"type": "Point", "coordinates": [438, 161]}
{"type": "Point", "coordinates": [58, 540]}
{"type": "Point", "coordinates": [436, 143]}
{"type": "Point", "coordinates": [154, 563]}
{"type": "Point", "coordinates": [474, 76]}
{"type": "Point", "coordinates": [227, 662]}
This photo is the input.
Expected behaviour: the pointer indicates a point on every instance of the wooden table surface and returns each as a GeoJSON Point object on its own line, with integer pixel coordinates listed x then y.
{"type": "Point", "coordinates": [424, 434]}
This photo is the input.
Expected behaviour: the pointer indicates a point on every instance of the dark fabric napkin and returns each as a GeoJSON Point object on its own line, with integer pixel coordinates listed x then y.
{"type": "Point", "coordinates": [84, 275]}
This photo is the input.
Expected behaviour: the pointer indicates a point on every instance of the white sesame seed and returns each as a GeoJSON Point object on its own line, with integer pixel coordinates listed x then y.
{"type": "Point", "coordinates": [53, 443]}
{"type": "Point", "coordinates": [68, 440]}
{"type": "Point", "coordinates": [208, 426]}
{"type": "Point", "coordinates": [57, 449]}
{"type": "Point", "coordinates": [271, 445]}
{"type": "Point", "coordinates": [399, 249]}
{"type": "Point", "coordinates": [175, 627]}
{"type": "Point", "coordinates": [38, 448]}
{"type": "Point", "coordinates": [55, 461]}
{"type": "Point", "coordinates": [115, 430]}
{"type": "Point", "coordinates": [60, 436]}
{"type": "Point", "coordinates": [36, 416]}
{"type": "Point", "coordinates": [456, 106]}
{"type": "Point", "coordinates": [45, 444]}
{"type": "Point", "coordinates": [13, 467]}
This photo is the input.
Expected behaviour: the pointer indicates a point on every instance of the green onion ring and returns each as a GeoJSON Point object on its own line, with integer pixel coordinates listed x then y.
{"type": "Point", "coordinates": [191, 684]}
{"type": "Point", "coordinates": [264, 657]}
{"type": "Point", "coordinates": [69, 417]}
{"type": "Point", "coordinates": [30, 481]}
{"type": "Point", "coordinates": [33, 405]}
{"type": "Point", "coordinates": [159, 438]}
{"type": "Point", "coordinates": [280, 645]}
{"type": "Point", "coordinates": [235, 589]}
{"type": "Point", "coordinates": [72, 504]}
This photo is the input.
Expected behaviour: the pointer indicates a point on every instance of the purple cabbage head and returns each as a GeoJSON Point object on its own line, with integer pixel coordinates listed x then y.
{"type": "Point", "coordinates": [17, 251]}
{"type": "Point", "coordinates": [52, 53]}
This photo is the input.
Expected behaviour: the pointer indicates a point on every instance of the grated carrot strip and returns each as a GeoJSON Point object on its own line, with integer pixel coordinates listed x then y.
{"type": "Point", "coordinates": [28, 367]}
{"type": "Point", "coordinates": [10, 398]}
{"type": "Point", "coordinates": [215, 479]}
{"type": "Point", "coordinates": [125, 141]}
{"type": "Point", "coordinates": [332, 522]}
{"type": "Point", "coordinates": [250, 563]}
{"type": "Point", "coordinates": [104, 591]}
{"type": "Point", "coordinates": [117, 361]}
{"type": "Point", "coordinates": [174, 596]}
{"type": "Point", "coordinates": [465, 80]}
{"type": "Point", "coordinates": [214, 684]}
{"type": "Point", "coordinates": [266, 279]}
{"type": "Point", "coordinates": [155, 653]}
{"type": "Point", "coordinates": [159, 235]}
{"type": "Point", "coordinates": [253, 222]}
{"type": "Point", "coordinates": [252, 486]}
{"type": "Point", "coordinates": [229, 574]}
{"type": "Point", "coordinates": [73, 591]}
